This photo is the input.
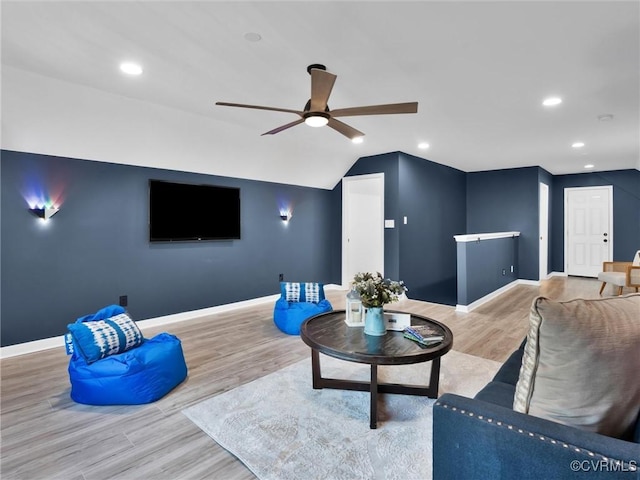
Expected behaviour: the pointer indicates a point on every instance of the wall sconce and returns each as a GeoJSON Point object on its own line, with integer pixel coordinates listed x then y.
{"type": "Point", "coordinates": [45, 213]}
{"type": "Point", "coordinates": [285, 216]}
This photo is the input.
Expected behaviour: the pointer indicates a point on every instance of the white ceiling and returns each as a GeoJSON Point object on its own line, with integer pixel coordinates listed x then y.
{"type": "Point", "coordinates": [479, 71]}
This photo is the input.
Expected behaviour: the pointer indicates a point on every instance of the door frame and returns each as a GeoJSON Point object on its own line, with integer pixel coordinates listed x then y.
{"type": "Point", "coordinates": [345, 223]}
{"type": "Point", "coordinates": [609, 189]}
{"type": "Point", "coordinates": [543, 230]}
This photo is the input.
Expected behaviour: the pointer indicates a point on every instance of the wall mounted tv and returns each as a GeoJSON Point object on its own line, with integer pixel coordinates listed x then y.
{"type": "Point", "coordinates": [182, 212]}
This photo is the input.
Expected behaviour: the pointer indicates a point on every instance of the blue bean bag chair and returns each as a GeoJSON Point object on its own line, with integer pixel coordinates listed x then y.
{"type": "Point", "coordinates": [297, 302]}
{"type": "Point", "coordinates": [113, 364]}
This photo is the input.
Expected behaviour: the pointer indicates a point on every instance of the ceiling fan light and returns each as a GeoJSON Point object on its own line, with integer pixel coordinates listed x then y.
{"type": "Point", "coordinates": [316, 120]}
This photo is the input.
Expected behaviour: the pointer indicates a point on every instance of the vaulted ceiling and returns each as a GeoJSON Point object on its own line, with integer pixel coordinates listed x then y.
{"type": "Point", "coordinates": [479, 70]}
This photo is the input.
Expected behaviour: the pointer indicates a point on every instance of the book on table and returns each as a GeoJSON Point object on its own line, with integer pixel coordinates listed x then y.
{"type": "Point", "coordinates": [424, 334]}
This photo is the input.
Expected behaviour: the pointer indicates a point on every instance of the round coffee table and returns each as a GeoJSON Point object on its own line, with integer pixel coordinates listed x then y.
{"type": "Point", "coordinates": [327, 333]}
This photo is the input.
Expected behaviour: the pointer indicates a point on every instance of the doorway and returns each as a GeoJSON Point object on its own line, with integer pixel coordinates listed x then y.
{"type": "Point", "coordinates": [588, 229]}
{"type": "Point", "coordinates": [362, 225]}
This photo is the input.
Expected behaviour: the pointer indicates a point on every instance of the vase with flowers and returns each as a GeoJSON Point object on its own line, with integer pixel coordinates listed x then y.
{"type": "Point", "coordinates": [375, 291]}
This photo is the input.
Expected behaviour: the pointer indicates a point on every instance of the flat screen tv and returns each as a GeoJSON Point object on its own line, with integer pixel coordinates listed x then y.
{"type": "Point", "coordinates": [182, 212]}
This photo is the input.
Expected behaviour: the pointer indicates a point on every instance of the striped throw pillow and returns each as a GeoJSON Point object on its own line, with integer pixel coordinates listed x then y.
{"type": "Point", "coordinates": [302, 292]}
{"type": "Point", "coordinates": [101, 338]}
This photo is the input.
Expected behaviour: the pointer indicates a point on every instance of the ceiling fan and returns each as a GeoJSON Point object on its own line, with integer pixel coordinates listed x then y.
{"type": "Point", "coordinates": [316, 112]}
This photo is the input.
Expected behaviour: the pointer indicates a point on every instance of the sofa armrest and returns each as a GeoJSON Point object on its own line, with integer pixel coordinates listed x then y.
{"type": "Point", "coordinates": [473, 439]}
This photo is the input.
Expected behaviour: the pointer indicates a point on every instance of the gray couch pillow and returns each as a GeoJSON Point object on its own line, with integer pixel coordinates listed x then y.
{"type": "Point", "coordinates": [581, 364]}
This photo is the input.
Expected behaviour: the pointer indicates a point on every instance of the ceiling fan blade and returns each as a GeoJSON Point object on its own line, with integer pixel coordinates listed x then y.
{"type": "Point", "coordinates": [410, 107]}
{"type": "Point", "coordinates": [258, 107]}
{"type": "Point", "coordinates": [344, 129]}
{"type": "Point", "coordinates": [321, 86]}
{"type": "Point", "coordinates": [284, 127]}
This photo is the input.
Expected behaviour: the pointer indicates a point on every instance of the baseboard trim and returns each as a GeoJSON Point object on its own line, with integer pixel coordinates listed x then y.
{"type": "Point", "coordinates": [557, 274]}
{"type": "Point", "coordinates": [58, 342]}
{"type": "Point", "coordinates": [494, 294]}
{"type": "Point", "coordinates": [31, 347]}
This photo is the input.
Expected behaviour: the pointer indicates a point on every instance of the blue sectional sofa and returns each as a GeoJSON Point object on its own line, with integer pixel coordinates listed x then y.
{"type": "Point", "coordinates": [484, 438]}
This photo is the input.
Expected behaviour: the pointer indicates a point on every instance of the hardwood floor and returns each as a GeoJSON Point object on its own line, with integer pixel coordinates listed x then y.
{"type": "Point", "coordinates": [45, 435]}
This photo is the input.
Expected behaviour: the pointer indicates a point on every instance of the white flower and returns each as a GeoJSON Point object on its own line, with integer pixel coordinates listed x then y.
{"type": "Point", "coordinates": [375, 291]}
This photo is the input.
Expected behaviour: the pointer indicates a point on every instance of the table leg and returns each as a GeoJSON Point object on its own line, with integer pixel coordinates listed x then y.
{"type": "Point", "coordinates": [373, 387]}
{"type": "Point", "coordinates": [435, 378]}
{"type": "Point", "coordinates": [373, 415]}
{"type": "Point", "coordinates": [315, 368]}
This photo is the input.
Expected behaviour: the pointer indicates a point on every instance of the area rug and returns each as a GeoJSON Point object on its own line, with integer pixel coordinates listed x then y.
{"type": "Point", "coordinates": [282, 429]}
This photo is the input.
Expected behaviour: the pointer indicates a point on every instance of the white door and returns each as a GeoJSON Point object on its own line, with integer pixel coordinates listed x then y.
{"type": "Point", "coordinates": [588, 229]}
{"type": "Point", "coordinates": [362, 225]}
{"type": "Point", "coordinates": [544, 231]}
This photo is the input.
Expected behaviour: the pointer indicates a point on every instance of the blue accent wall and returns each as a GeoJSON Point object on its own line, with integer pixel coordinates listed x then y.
{"type": "Point", "coordinates": [336, 233]}
{"type": "Point", "coordinates": [626, 211]}
{"type": "Point", "coordinates": [507, 200]}
{"type": "Point", "coordinates": [433, 197]}
{"type": "Point", "coordinates": [485, 266]}
{"type": "Point", "coordinates": [96, 247]}
{"type": "Point", "coordinates": [422, 253]}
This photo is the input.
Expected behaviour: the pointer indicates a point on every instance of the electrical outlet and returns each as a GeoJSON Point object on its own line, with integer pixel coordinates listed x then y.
{"type": "Point", "coordinates": [124, 300]}
{"type": "Point", "coordinates": [504, 272]}
{"type": "Point", "coordinates": [281, 277]}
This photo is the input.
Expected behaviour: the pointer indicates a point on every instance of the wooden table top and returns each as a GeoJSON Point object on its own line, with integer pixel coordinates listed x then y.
{"type": "Point", "coordinates": [329, 334]}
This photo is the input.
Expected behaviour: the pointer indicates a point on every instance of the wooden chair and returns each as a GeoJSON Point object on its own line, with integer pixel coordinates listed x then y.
{"type": "Point", "coordinates": [621, 274]}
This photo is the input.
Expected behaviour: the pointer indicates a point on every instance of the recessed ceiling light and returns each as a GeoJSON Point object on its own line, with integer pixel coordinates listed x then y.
{"type": "Point", "coordinates": [589, 165]}
{"type": "Point", "coordinates": [252, 37]}
{"type": "Point", "coordinates": [357, 139]}
{"type": "Point", "coordinates": [131, 68]}
{"type": "Point", "coordinates": [423, 145]}
{"type": "Point", "coordinates": [552, 101]}
{"type": "Point", "coordinates": [577, 145]}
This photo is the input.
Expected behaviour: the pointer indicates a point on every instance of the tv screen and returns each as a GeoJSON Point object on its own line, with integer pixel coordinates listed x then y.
{"type": "Point", "coordinates": [186, 212]}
